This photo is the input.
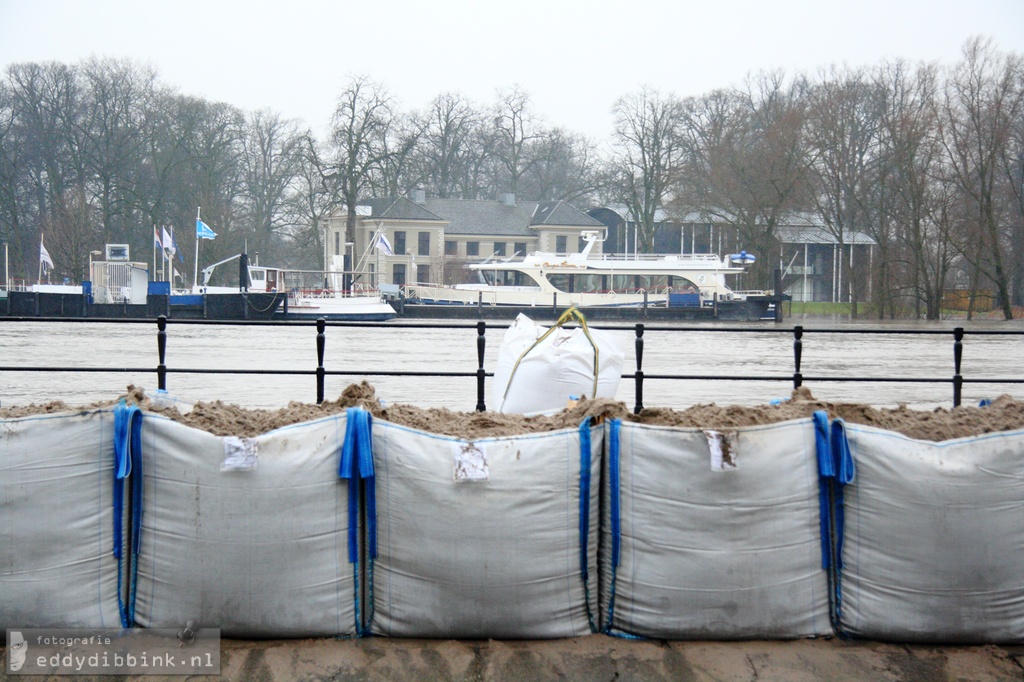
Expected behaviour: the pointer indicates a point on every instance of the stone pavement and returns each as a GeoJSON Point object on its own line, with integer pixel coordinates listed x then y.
{"type": "Point", "coordinates": [599, 657]}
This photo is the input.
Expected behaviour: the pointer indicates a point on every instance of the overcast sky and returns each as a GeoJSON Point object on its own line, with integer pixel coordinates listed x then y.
{"type": "Point", "coordinates": [574, 57]}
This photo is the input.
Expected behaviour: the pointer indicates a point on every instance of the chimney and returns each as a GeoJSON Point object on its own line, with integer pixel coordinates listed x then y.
{"type": "Point", "coordinates": [508, 198]}
{"type": "Point", "coordinates": [418, 195]}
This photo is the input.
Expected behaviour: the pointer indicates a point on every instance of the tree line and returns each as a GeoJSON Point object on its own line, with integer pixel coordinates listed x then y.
{"type": "Point", "coordinates": [926, 159]}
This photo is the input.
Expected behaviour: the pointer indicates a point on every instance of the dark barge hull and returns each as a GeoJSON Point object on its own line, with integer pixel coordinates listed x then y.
{"type": "Point", "coordinates": [750, 310]}
{"type": "Point", "coordinates": [240, 306]}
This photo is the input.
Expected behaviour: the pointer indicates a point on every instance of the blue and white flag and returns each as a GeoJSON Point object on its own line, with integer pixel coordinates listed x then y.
{"type": "Point", "coordinates": [203, 230]}
{"type": "Point", "coordinates": [384, 245]}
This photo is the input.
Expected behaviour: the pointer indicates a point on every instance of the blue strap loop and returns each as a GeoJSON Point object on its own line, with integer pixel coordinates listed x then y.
{"type": "Point", "coordinates": [127, 466]}
{"type": "Point", "coordinates": [614, 429]}
{"type": "Point", "coordinates": [585, 464]}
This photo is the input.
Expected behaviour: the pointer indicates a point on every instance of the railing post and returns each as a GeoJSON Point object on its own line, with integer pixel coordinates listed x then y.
{"type": "Point", "coordinates": [481, 340]}
{"type": "Point", "coordinates": [958, 352]}
{"type": "Point", "coordinates": [798, 350]}
{"type": "Point", "coordinates": [639, 372]}
{"type": "Point", "coordinates": [161, 348]}
{"type": "Point", "coordinates": [321, 341]}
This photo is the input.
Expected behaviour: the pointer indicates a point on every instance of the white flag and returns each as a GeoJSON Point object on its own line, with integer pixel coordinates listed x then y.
{"type": "Point", "coordinates": [168, 243]}
{"type": "Point", "coordinates": [44, 256]}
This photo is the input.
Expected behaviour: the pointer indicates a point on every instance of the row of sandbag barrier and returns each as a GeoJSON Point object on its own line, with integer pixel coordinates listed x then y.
{"type": "Point", "coordinates": [349, 526]}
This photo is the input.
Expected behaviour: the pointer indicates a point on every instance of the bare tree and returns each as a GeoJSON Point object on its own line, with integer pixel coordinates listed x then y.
{"type": "Point", "coordinates": [270, 161]}
{"type": "Point", "coordinates": [648, 155]}
{"type": "Point", "coordinates": [746, 162]}
{"type": "Point", "coordinates": [564, 167]}
{"type": "Point", "coordinates": [448, 125]}
{"type": "Point", "coordinates": [515, 127]}
{"type": "Point", "coordinates": [984, 98]}
{"type": "Point", "coordinates": [356, 148]}
{"type": "Point", "coordinates": [843, 136]}
{"type": "Point", "coordinates": [913, 227]}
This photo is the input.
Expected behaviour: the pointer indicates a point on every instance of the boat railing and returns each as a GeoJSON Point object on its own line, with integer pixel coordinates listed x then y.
{"type": "Point", "coordinates": [793, 375]}
{"type": "Point", "coordinates": [702, 258]}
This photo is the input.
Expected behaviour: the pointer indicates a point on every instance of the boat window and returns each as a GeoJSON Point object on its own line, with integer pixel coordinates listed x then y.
{"type": "Point", "coordinates": [257, 275]}
{"type": "Point", "coordinates": [559, 281]}
{"type": "Point", "coordinates": [588, 283]}
{"type": "Point", "coordinates": [622, 283]}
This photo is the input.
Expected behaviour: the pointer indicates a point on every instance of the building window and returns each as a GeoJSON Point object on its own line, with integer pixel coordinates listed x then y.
{"type": "Point", "coordinates": [581, 244]}
{"type": "Point", "coordinates": [451, 247]}
{"type": "Point", "coordinates": [337, 243]}
{"type": "Point", "coordinates": [423, 274]}
{"type": "Point", "coordinates": [472, 248]}
{"type": "Point", "coordinates": [423, 244]}
{"type": "Point", "coordinates": [561, 244]}
{"type": "Point", "coordinates": [520, 249]}
{"type": "Point", "coordinates": [398, 274]}
{"type": "Point", "coordinates": [499, 248]}
{"type": "Point", "coordinates": [400, 243]}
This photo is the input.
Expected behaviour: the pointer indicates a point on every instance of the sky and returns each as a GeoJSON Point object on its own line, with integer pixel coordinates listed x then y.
{"type": "Point", "coordinates": [574, 58]}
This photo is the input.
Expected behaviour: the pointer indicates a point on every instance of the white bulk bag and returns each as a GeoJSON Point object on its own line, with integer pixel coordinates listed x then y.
{"type": "Point", "coordinates": [247, 535]}
{"type": "Point", "coordinates": [493, 538]}
{"type": "Point", "coordinates": [538, 373]}
{"type": "Point", "coordinates": [57, 566]}
{"type": "Point", "coordinates": [933, 539]}
{"type": "Point", "coordinates": [717, 535]}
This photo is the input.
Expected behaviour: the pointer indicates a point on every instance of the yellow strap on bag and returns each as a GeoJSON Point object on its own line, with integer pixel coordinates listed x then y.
{"type": "Point", "coordinates": [572, 313]}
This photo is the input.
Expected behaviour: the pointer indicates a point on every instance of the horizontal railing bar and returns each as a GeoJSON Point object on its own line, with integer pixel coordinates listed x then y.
{"type": "Point", "coordinates": [505, 324]}
{"type": "Point", "coordinates": [789, 377]}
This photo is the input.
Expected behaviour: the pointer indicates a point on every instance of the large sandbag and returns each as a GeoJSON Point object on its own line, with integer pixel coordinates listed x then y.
{"type": "Point", "coordinates": [933, 544]}
{"type": "Point", "coordinates": [713, 536]}
{"type": "Point", "coordinates": [537, 377]}
{"type": "Point", "coordinates": [256, 552]}
{"type": "Point", "coordinates": [57, 567]}
{"type": "Point", "coordinates": [493, 538]}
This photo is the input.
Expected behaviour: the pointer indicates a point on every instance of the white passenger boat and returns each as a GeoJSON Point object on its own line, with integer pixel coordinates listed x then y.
{"type": "Point", "coordinates": [309, 294]}
{"type": "Point", "coordinates": [583, 280]}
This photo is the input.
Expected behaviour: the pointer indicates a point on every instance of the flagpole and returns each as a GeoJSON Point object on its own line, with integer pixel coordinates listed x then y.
{"type": "Point", "coordinates": [39, 275]}
{"type": "Point", "coordinates": [195, 275]}
{"type": "Point", "coordinates": [155, 274]}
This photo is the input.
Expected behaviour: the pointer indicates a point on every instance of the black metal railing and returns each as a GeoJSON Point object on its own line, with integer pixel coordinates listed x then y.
{"type": "Point", "coordinates": [639, 376]}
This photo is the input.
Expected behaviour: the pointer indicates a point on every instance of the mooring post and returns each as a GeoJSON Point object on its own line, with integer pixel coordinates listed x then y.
{"type": "Point", "coordinates": [639, 372]}
{"type": "Point", "coordinates": [958, 352]}
{"type": "Point", "coordinates": [798, 349]}
{"type": "Point", "coordinates": [481, 340]}
{"type": "Point", "coordinates": [321, 341]}
{"type": "Point", "coordinates": [161, 349]}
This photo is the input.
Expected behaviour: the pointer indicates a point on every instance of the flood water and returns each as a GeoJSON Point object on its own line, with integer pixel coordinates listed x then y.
{"type": "Point", "coordinates": [829, 351]}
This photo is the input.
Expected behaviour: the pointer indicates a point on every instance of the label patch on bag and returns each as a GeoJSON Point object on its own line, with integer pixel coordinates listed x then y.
{"type": "Point", "coordinates": [723, 454]}
{"type": "Point", "coordinates": [470, 461]}
{"type": "Point", "coordinates": [239, 454]}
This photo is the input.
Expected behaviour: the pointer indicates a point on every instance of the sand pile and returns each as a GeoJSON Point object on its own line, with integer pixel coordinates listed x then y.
{"type": "Point", "coordinates": [1004, 414]}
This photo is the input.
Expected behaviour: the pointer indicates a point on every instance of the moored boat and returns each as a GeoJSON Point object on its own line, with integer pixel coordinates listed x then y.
{"type": "Point", "coordinates": [586, 281]}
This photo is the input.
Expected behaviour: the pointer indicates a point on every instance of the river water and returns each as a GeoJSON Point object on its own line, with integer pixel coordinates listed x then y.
{"type": "Point", "coordinates": [358, 350]}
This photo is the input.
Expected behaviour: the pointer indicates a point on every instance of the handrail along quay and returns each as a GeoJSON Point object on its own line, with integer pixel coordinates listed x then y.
{"type": "Point", "coordinates": [796, 377]}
